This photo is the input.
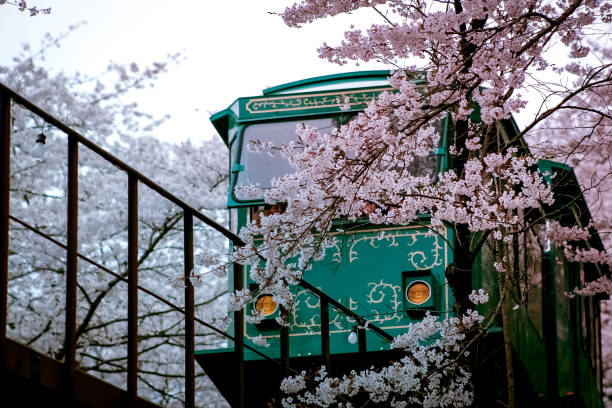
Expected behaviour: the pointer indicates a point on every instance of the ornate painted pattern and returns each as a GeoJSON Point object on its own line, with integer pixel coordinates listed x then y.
{"type": "Point", "coordinates": [306, 315]}
{"type": "Point", "coordinates": [387, 295]}
{"type": "Point", "coordinates": [312, 101]}
{"type": "Point", "coordinates": [418, 258]}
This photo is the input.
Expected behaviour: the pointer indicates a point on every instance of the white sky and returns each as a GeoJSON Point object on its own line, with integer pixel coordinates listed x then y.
{"type": "Point", "coordinates": [234, 48]}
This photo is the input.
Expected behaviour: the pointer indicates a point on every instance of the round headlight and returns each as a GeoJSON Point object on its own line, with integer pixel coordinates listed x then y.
{"type": "Point", "coordinates": [418, 292]}
{"type": "Point", "coordinates": [265, 305]}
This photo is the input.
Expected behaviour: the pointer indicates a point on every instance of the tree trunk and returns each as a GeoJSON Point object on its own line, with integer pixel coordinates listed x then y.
{"type": "Point", "coordinates": [508, 352]}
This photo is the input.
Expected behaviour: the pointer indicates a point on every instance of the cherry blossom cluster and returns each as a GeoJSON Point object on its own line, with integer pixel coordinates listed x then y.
{"type": "Point", "coordinates": [562, 234]}
{"type": "Point", "coordinates": [238, 299]}
{"type": "Point", "coordinates": [479, 297]}
{"type": "Point", "coordinates": [509, 39]}
{"type": "Point", "coordinates": [260, 341]}
{"type": "Point", "coordinates": [601, 285]}
{"type": "Point", "coordinates": [591, 255]}
{"type": "Point", "coordinates": [310, 10]}
{"type": "Point", "coordinates": [430, 375]}
{"type": "Point", "coordinates": [570, 240]}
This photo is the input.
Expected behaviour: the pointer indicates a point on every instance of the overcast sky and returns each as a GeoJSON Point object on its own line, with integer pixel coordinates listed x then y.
{"type": "Point", "coordinates": [233, 48]}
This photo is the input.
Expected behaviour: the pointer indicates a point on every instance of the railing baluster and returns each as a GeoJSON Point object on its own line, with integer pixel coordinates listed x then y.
{"type": "Point", "coordinates": [71, 262]}
{"type": "Point", "coordinates": [325, 332]}
{"type": "Point", "coordinates": [284, 344]}
{"type": "Point", "coordinates": [132, 374]}
{"type": "Point", "coordinates": [189, 312]}
{"type": "Point", "coordinates": [239, 339]}
{"type": "Point", "coordinates": [361, 339]}
{"type": "Point", "coordinates": [5, 167]}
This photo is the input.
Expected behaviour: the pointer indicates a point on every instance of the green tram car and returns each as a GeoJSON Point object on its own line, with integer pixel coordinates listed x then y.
{"type": "Point", "coordinates": [391, 275]}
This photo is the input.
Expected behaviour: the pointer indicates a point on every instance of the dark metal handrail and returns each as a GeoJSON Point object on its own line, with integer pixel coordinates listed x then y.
{"type": "Point", "coordinates": [325, 300]}
{"type": "Point", "coordinates": [47, 117]}
{"type": "Point", "coordinates": [337, 305]}
{"type": "Point", "coordinates": [140, 288]}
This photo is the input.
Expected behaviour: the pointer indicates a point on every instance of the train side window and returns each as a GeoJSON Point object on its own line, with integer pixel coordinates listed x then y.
{"type": "Point", "coordinates": [598, 357]}
{"type": "Point", "coordinates": [525, 255]}
{"type": "Point", "coordinates": [588, 317]}
{"type": "Point", "coordinates": [533, 280]}
{"type": "Point", "coordinates": [584, 316]}
{"type": "Point", "coordinates": [489, 280]}
{"type": "Point", "coordinates": [589, 320]}
{"type": "Point", "coordinates": [258, 163]}
{"type": "Point", "coordinates": [590, 337]}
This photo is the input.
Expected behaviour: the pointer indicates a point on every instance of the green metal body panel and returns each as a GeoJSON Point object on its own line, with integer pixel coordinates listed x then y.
{"type": "Point", "coordinates": [368, 267]}
{"type": "Point", "coordinates": [363, 271]}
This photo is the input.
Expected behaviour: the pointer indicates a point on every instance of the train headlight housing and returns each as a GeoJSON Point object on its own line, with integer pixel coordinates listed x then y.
{"type": "Point", "coordinates": [266, 305]}
{"type": "Point", "coordinates": [419, 294]}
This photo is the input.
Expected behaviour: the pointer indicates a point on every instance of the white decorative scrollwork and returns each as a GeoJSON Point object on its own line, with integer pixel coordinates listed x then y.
{"type": "Point", "coordinates": [303, 302]}
{"type": "Point", "coordinates": [377, 295]}
{"type": "Point", "coordinates": [337, 256]}
{"type": "Point", "coordinates": [418, 259]}
{"type": "Point", "coordinates": [311, 323]}
{"type": "Point", "coordinates": [393, 238]}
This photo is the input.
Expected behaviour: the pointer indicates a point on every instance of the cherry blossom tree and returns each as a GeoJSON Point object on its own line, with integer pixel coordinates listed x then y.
{"type": "Point", "coordinates": [470, 65]}
{"type": "Point", "coordinates": [96, 107]}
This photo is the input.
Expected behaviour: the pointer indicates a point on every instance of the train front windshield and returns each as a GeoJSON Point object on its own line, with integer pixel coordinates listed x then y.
{"type": "Point", "coordinates": [260, 165]}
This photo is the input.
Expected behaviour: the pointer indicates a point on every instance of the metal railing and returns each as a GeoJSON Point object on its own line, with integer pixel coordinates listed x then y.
{"type": "Point", "coordinates": [135, 178]}
{"type": "Point", "coordinates": [75, 140]}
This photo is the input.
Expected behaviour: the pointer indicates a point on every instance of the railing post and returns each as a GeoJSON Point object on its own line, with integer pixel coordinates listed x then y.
{"type": "Point", "coordinates": [189, 312]}
{"type": "Point", "coordinates": [284, 344]}
{"type": "Point", "coordinates": [325, 332]}
{"type": "Point", "coordinates": [71, 263]}
{"type": "Point", "coordinates": [239, 339]}
{"type": "Point", "coordinates": [5, 169]}
{"type": "Point", "coordinates": [361, 339]}
{"type": "Point", "coordinates": [132, 352]}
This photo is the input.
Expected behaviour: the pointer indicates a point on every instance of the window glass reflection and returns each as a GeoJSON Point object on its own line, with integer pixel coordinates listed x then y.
{"type": "Point", "coordinates": [261, 167]}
